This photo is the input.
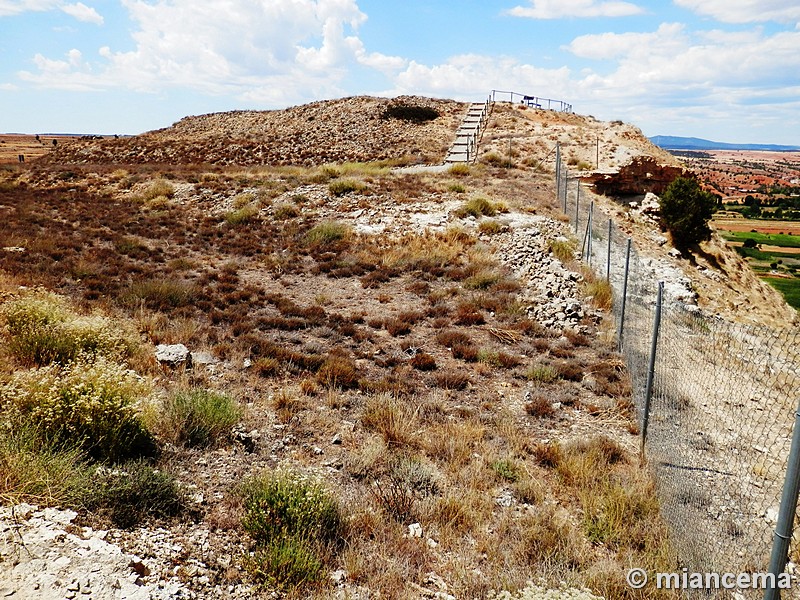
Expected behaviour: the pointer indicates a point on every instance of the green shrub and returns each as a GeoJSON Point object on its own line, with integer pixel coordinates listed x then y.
{"type": "Point", "coordinates": [563, 249]}
{"type": "Point", "coordinates": [134, 492]}
{"type": "Point", "coordinates": [340, 187]}
{"type": "Point", "coordinates": [295, 524]}
{"type": "Point", "coordinates": [286, 211]}
{"type": "Point", "coordinates": [686, 210]}
{"type": "Point", "coordinates": [490, 227]}
{"type": "Point", "coordinates": [157, 188]}
{"type": "Point", "coordinates": [541, 373]}
{"type": "Point", "coordinates": [327, 232]}
{"type": "Point", "coordinates": [43, 329]}
{"type": "Point", "coordinates": [242, 215]}
{"type": "Point", "coordinates": [506, 469]}
{"type": "Point", "coordinates": [482, 280]}
{"type": "Point", "coordinates": [159, 294]}
{"type": "Point", "coordinates": [459, 170]}
{"type": "Point", "coordinates": [338, 372]}
{"type": "Point", "coordinates": [496, 160]}
{"type": "Point", "coordinates": [94, 405]}
{"type": "Point", "coordinates": [35, 469]}
{"type": "Point", "coordinates": [198, 418]}
{"type": "Point", "coordinates": [411, 112]}
{"type": "Point", "coordinates": [287, 563]}
{"type": "Point", "coordinates": [477, 207]}
{"type": "Point", "coordinates": [600, 291]}
{"type": "Point", "coordinates": [285, 505]}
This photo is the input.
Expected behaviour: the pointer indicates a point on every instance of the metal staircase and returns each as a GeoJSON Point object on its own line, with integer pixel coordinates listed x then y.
{"type": "Point", "coordinates": [465, 146]}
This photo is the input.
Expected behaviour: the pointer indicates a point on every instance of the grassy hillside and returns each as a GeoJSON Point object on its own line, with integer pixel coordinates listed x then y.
{"type": "Point", "coordinates": [369, 395]}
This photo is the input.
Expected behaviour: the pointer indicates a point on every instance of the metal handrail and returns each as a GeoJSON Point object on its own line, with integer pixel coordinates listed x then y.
{"type": "Point", "coordinates": [552, 104]}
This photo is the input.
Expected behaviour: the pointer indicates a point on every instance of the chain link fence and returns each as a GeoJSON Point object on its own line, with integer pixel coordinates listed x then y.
{"type": "Point", "coordinates": [723, 401]}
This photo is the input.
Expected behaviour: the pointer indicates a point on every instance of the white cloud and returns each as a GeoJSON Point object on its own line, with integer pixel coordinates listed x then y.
{"type": "Point", "coordinates": [558, 9]}
{"type": "Point", "coordinates": [671, 56]}
{"type": "Point", "coordinates": [274, 52]}
{"type": "Point", "coordinates": [745, 11]}
{"type": "Point", "coordinates": [79, 10]}
{"type": "Point", "coordinates": [467, 77]}
{"type": "Point", "coordinates": [83, 13]}
{"type": "Point", "coordinates": [16, 7]}
{"type": "Point", "coordinates": [668, 38]}
{"type": "Point", "coordinates": [71, 73]}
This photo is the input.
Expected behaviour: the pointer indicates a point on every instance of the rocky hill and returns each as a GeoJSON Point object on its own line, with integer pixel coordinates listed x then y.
{"type": "Point", "coordinates": [350, 129]}
{"type": "Point", "coordinates": [421, 343]}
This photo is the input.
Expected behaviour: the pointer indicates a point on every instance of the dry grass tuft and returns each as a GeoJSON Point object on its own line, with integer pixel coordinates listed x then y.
{"type": "Point", "coordinates": [392, 418]}
{"type": "Point", "coordinates": [338, 372]}
{"type": "Point", "coordinates": [452, 379]}
{"type": "Point", "coordinates": [423, 361]}
{"type": "Point", "coordinates": [539, 406]}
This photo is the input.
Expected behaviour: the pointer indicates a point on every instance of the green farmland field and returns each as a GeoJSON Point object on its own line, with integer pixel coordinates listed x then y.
{"type": "Point", "coordinates": [779, 269]}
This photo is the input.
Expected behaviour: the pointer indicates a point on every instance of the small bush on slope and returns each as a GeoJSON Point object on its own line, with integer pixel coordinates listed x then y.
{"type": "Point", "coordinates": [197, 417]}
{"type": "Point", "coordinates": [35, 469]}
{"type": "Point", "coordinates": [94, 405]}
{"type": "Point", "coordinates": [295, 524]}
{"type": "Point", "coordinates": [43, 329]}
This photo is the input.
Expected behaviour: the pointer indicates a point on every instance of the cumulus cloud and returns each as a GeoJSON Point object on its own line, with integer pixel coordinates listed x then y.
{"type": "Point", "coordinates": [745, 11]}
{"type": "Point", "coordinates": [72, 73]}
{"type": "Point", "coordinates": [705, 58]}
{"type": "Point", "coordinates": [712, 75]}
{"type": "Point", "coordinates": [83, 13]}
{"type": "Point", "coordinates": [558, 9]}
{"type": "Point", "coordinates": [78, 10]}
{"type": "Point", "coordinates": [16, 7]}
{"type": "Point", "coordinates": [465, 77]}
{"type": "Point", "coordinates": [274, 52]}
{"type": "Point", "coordinates": [604, 46]}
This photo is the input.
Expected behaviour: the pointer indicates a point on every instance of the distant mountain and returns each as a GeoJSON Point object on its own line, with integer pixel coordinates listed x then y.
{"type": "Point", "coordinates": [671, 142]}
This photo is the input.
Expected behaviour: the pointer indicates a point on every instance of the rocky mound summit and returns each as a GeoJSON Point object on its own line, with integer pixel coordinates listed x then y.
{"type": "Point", "coordinates": [345, 130]}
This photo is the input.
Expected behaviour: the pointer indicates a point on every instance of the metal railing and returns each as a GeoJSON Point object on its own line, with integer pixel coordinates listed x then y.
{"type": "Point", "coordinates": [533, 101]}
{"type": "Point", "coordinates": [473, 135]}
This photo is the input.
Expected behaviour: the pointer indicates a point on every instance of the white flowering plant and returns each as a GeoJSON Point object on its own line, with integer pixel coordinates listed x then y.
{"type": "Point", "coordinates": [94, 404]}
{"type": "Point", "coordinates": [42, 329]}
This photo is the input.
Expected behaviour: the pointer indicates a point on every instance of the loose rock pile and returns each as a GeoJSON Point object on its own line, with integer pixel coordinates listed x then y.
{"type": "Point", "coordinates": [45, 556]}
{"type": "Point", "coordinates": [53, 558]}
{"type": "Point", "coordinates": [551, 290]}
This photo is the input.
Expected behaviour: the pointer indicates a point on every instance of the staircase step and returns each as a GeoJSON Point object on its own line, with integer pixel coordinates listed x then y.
{"type": "Point", "coordinates": [463, 148]}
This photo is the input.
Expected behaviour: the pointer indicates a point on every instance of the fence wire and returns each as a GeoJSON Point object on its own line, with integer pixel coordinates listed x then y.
{"type": "Point", "coordinates": [722, 409]}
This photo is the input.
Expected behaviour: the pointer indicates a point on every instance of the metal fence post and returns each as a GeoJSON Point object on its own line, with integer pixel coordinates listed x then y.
{"type": "Point", "coordinates": [608, 254]}
{"type": "Point", "coordinates": [558, 172]}
{"type": "Point", "coordinates": [651, 367]}
{"type": "Point", "coordinates": [785, 525]}
{"type": "Point", "coordinates": [586, 249]}
{"type": "Point", "coordinates": [621, 325]}
{"type": "Point", "coordinates": [589, 238]}
{"type": "Point", "coordinates": [577, 206]}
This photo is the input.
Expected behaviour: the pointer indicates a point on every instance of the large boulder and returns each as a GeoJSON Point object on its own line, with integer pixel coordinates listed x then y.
{"type": "Point", "coordinates": [173, 355]}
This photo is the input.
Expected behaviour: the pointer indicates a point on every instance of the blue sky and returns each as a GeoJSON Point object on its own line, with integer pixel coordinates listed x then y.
{"type": "Point", "coordinates": [727, 70]}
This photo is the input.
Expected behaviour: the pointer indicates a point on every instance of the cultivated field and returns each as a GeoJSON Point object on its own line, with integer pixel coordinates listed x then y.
{"type": "Point", "coordinates": [12, 145]}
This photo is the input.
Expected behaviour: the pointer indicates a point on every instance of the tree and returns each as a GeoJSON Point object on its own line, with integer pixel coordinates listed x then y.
{"type": "Point", "coordinates": [686, 210]}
